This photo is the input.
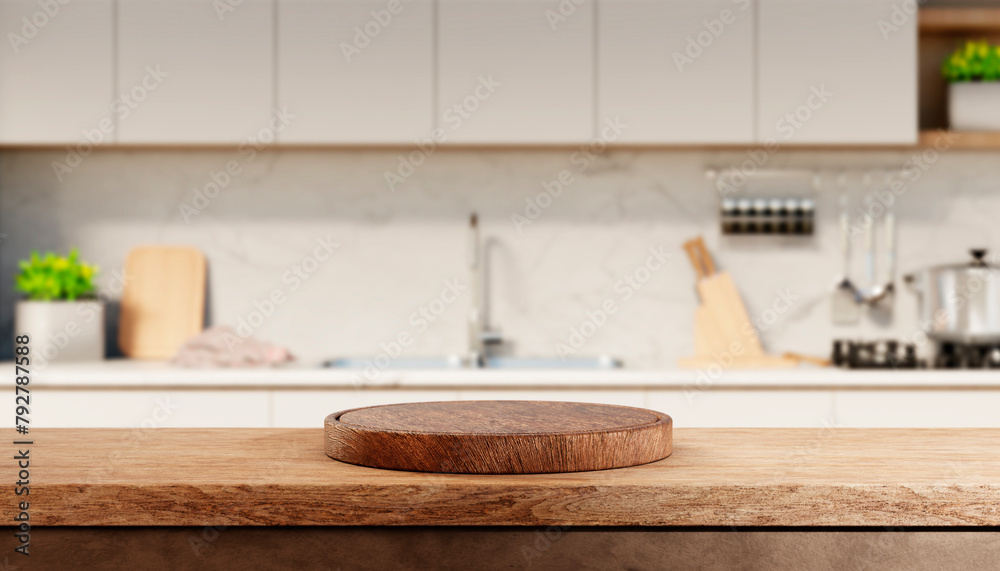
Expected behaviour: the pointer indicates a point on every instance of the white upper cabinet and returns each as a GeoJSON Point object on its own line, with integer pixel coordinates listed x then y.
{"type": "Point", "coordinates": [194, 71]}
{"type": "Point", "coordinates": [56, 71]}
{"type": "Point", "coordinates": [459, 71]}
{"type": "Point", "coordinates": [356, 71]}
{"type": "Point", "coordinates": [677, 71]}
{"type": "Point", "coordinates": [515, 71]}
{"type": "Point", "coordinates": [831, 71]}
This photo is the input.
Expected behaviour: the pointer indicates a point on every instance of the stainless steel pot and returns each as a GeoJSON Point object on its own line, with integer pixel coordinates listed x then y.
{"type": "Point", "coordinates": [960, 303]}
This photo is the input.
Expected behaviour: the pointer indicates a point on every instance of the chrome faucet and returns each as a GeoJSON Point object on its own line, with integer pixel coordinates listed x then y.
{"type": "Point", "coordinates": [480, 338]}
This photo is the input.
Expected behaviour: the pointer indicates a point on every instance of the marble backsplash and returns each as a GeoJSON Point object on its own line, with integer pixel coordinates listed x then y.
{"type": "Point", "coordinates": [359, 261]}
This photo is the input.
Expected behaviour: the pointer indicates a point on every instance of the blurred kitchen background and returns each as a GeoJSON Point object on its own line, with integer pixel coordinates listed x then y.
{"type": "Point", "coordinates": [396, 249]}
{"type": "Point", "coordinates": [335, 151]}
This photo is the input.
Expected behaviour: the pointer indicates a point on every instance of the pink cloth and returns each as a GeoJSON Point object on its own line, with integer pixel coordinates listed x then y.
{"type": "Point", "coordinates": [220, 346]}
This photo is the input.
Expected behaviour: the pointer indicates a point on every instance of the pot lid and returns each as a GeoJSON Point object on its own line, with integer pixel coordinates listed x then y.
{"type": "Point", "coordinates": [978, 260]}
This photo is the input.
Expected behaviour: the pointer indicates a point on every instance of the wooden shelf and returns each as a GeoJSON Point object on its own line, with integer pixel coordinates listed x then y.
{"type": "Point", "coordinates": [942, 31]}
{"type": "Point", "coordinates": [964, 140]}
{"type": "Point", "coordinates": [945, 20]}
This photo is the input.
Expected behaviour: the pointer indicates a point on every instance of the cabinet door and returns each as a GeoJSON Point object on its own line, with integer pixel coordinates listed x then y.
{"type": "Point", "coordinates": [56, 71]}
{"type": "Point", "coordinates": [518, 71]}
{"type": "Point", "coordinates": [677, 71]}
{"type": "Point", "coordinates": [831, 71]}
{"type": "Point", "coordinates": [192, 71]}
{"type": "Point", "coordinates": [308, 409]}
{"type": "Point", "coordinates": [356, 71]}
{"type": "Point", "coordinates": [918, 408]}
{"type": "Point", "coordinates": [149, 408]}
{"type": "Point", "coordinates": [725, 408]}
{"type": "Point", "coordinates": [627, 397]}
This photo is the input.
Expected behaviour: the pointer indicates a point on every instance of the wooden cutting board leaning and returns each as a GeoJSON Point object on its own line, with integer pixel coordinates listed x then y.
{"type": "Point", "coordinates": [163, 302]}
{"type": "Point", "coordinates": [724, 335]}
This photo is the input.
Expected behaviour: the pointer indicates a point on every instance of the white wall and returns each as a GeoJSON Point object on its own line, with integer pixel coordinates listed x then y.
{"type": "Point", "coordinates": [398, 248]}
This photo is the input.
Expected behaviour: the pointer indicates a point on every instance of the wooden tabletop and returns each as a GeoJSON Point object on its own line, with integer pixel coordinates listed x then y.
{"type": "Point", "coordinates": [715, 477]}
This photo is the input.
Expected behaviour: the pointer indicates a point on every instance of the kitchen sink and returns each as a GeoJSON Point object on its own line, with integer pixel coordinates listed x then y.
{"type": "Point", "coordinates": [406, 363]}
{"type": "Point", "coordinates": [602, 362]}
{"type": "Point", "coordinates": [483, 341]}
{"type": "Point", "coordinates": [456, 362]}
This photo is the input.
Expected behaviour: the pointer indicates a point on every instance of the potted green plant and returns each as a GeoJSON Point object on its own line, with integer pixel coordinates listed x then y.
{"type": "Point", "coordinates": [973, 73]}
{"type": "Point", "coordinates": [61, 316]}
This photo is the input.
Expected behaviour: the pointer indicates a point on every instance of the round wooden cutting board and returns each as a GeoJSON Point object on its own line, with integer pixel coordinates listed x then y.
{"type": "Point", "coordinates": [498, 437]}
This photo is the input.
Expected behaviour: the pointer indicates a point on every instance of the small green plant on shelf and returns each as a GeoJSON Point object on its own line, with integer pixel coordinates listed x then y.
{"type": "Point", "coordinates": [976, 61]}
{"type": "Point", "coordinates": [55, 278]}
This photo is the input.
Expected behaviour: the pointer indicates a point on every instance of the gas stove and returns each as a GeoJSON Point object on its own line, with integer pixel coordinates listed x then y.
{"type": "Point", "coordinates": [883, 354]}
{"type": "Point", "coordinates": [892, 354]}
{"type": "Point", "coordinates": [961, 356]}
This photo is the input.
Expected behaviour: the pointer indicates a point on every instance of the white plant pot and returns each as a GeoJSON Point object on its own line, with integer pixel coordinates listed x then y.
{"type": "Point", "coordinates": [974, 106]}
{"type": "Point", "coordinates": [61, 331]}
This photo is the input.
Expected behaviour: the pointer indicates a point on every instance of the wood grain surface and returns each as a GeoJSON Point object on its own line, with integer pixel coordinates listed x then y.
{"type": "Point", "coordinates": [745, 477]}
{"type": "Point", "coordinates": [498, 437]}
{"type": "Point", "coordinates": [959, 19]}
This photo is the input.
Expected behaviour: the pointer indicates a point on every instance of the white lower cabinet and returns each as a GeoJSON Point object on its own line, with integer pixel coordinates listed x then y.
{"type": "Point", "coordinates": [745, 408]}
{"type": "Point", "coordinates": [691, 408]}
{"type": "Point", "coordinates": [149, 408]}
{"type": "Point", "coordinates": [308, 408]}
{"type": "Point", "coordinates": [956, 408]}
{"type": "Point", "coordinates": [620, 397]}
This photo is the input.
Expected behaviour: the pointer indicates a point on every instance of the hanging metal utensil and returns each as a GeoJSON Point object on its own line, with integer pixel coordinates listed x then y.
{"type": "Point", "coordinates": [844, 304]}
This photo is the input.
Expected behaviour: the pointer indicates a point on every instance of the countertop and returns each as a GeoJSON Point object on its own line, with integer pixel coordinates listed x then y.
{"type": "Point", "coordinates": [715, 477]}
{"type": "Point", "coordinates": [143, 374]}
